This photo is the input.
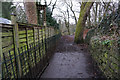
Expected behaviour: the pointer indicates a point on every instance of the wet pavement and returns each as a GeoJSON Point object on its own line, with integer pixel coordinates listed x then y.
{"type": "Point", "coordinates": [70, 61]}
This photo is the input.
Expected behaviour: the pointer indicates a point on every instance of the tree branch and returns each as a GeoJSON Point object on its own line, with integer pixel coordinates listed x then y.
{"type": "Point", "coordinates": [53, 7]}
{"type": "Point", "coordinates": [50, 3]}
{"type": "Point", "coordinates": [71, 8]}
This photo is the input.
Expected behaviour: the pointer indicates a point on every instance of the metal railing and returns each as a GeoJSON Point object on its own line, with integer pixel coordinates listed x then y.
{"type": "Point", "coordinates": [26, 49]}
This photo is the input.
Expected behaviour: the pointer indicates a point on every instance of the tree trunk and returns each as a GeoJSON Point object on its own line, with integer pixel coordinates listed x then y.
{"type": "Point", "coordinates": [81, 22]}
{"type": "Point", "coordinates": [96, 11]}
{"type": "Point", "coordinates": [99, 14]}
{"type": "Point", "coordinates": [68, 22]}
{"type": "Point", "coordinates": [89, 22]}
{"type": "Point", "coordinates": [74, 16]}
{"type": "Point", "coordinates": [68, 31]}
{"type": "Point", "coordinates": [67, 26]}
{"type": "Point", "coordinates": [106, 9]}
{"type": "Point", "coordinates": [31, 12]}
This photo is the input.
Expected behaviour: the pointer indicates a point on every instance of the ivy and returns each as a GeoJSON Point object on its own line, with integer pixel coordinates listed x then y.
{"type": "Point", "coordinates": [106, 42]}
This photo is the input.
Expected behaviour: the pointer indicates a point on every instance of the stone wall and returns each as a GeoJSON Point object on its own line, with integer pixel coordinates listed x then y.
{"type": "Point", "coordinates": [106, 54]}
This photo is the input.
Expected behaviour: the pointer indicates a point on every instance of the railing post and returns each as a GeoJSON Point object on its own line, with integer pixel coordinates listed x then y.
{"type": "Point", "coordinates": [34, 41]}
{"type": "Point", "coordinates": [27, 41]}
{"type": "Point", "coordinates": [46, 51]}
{"type": "Point", "coordinates": [55, 30]}
{"type": "Point", "coordinates": [50, 32]}
{"type": "Point", "coordinates": [39, 43]}
{"type": "Point", "coordinates": [16, 45]}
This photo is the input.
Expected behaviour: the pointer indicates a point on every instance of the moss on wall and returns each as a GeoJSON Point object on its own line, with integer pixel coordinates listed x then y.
{"type": "Point", "coordinates": [107, 56]}
{"type": "Point", "coordinates": [81, 22]}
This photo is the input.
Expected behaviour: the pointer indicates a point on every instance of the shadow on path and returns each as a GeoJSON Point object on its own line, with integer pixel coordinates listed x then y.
{"type": "Point", "coordinates": [71, 61]}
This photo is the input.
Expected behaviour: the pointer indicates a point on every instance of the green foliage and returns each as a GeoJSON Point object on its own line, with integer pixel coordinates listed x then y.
{"type": "Point", "coordinates": [7, 8]}
{"type": "Point", "coordinates": [0, 9]}
{"type": "Point", "coordinates": [89, 27]}
{"type": "Point", "coordinates": [106, 42]}
{"type": "Point", "coordinates": [119, 45]}
{"type": "Point", "coordinates": [106, 55]}
{"type": "Point", "coordinates": [108, 26]}
{"type": "Point", "coordinates": [109, 20]}
{"type": "Point", "coordinates": [50, 20]}
{"type": "Point", "coordinates": [89, 35]}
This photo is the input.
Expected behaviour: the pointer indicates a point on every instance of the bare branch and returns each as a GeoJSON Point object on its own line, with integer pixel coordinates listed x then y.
{"type": "Point", "coordinates": [53, 7]}
{"type": "Point", "coordinates": [50, 3]}
{"type": "Point", "coordinates": [71, 8]}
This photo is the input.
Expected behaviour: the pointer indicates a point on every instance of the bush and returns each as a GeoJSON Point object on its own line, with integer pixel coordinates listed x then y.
{"type": "Point", "coordinates": [105, 52]}
{"type": "Point", "coordinates": [89, 35]}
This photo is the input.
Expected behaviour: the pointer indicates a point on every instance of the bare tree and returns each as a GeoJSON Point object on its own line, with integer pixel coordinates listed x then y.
{"type": "Point", "coordinates": [99, 10]}
{"type": "Point", "coordinates": [96, 11]}
{"type": "Point", "coordinates": [106, 8]}
{"type": "Point", "coordinates": [53, 5]}
{"type": "Point", "coordinates": [65, 16]}
{"type": "Point", "coordinates": [70, 5]}
{"type": "Point", "coordinates": [67, 25]}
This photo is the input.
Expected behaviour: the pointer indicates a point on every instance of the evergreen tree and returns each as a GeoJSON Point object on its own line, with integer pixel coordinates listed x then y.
{"type": "Point", "coordinates": [7, 8]}
{"type": "Point", "coordinates": [50, 20]}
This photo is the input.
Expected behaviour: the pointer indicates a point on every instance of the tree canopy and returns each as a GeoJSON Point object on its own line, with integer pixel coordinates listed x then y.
{"type": "Point", "coordinates": [7, 8]}
{"type": "Point", "coordinates": [50, 20]}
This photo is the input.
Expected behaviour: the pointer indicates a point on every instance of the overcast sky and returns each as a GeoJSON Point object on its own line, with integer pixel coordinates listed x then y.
{"type": "Point", "coordinates": [60, 5]}
{"type": "Point", "coordinates": [63, 7]}
{"type": "Point", "coordinates": [53, 0]}
{"type": "Point", "coordinates": [56, 11]}
{"type": "Point", "coordinates": [76, 7]}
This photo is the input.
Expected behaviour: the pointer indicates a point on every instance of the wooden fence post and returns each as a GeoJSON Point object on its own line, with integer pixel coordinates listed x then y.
{"type": "Point", "coordinates": [16, 44]}
{"type": "Point", "coordinates": [1, 55]}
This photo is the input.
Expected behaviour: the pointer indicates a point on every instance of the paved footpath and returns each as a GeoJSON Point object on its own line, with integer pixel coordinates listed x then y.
{"type": "Point", "coordinates": [70, 61]}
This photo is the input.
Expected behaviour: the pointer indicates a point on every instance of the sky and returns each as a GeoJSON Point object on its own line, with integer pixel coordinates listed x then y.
{"type": "Point", "coordinates": [56, 11]}
{"type": "Point", "coordinates": [59, 4]}
{"type": "Point", "coordinates": [54, 0]}
{"type": "Point", "coordinates": [76, 7]}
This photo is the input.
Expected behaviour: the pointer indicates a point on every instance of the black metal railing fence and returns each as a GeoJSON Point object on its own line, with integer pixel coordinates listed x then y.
{"type": "Point", "coordinates": [26, 49]}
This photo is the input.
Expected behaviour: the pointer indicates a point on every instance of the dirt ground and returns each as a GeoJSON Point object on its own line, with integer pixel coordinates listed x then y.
{"type": "Point", "coordinates": [71, 61]}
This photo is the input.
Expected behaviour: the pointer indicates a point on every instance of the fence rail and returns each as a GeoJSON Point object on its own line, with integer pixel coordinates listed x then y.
{"type": "Point", "coordinates": [26, 49]}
